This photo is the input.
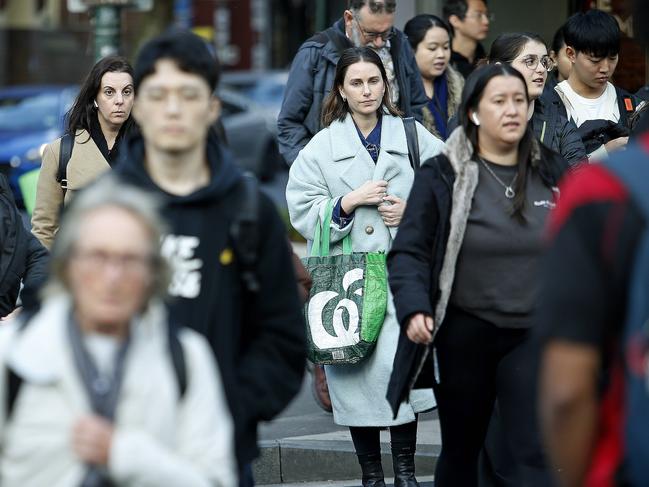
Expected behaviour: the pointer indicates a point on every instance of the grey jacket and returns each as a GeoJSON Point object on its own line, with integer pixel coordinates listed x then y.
{"type": "Point", "coordinates": [311, 79]}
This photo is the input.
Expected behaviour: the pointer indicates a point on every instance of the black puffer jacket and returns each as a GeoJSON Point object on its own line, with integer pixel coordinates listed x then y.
{"type": "Point", "coordinates": [556, 132]}
{"type": "Point", "coordinates": [22, 256]}
{"type": "Point", "coordinates": [552, 128]}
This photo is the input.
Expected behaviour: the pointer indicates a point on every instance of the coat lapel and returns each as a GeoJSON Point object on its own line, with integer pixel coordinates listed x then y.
{"type": "Point", "coordinates": [459, 151]}
{"type": "Point", "coordinates": [356, 165]}
{"type": "Point", "coordinates": [393, 149]}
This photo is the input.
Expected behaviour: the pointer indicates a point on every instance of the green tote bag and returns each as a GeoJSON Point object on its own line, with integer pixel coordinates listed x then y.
{"type": "Point", "coordinates": [347, 302]}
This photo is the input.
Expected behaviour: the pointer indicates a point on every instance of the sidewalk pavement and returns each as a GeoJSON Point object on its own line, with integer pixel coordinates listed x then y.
{"type": "Point", "coordinates": [426, 481]}
{"type": "Point", "coordinates": [304, 445]}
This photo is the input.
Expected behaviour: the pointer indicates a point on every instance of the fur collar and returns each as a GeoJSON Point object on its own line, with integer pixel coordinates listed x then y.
{"type": "Point", "coordinates": [455, 85]}
{"type": "Point", "coordinates": [458, 151]}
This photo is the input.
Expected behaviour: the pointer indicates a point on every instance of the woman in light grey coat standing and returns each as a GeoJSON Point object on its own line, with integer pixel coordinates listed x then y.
{"type": "Point", "coordinates": [360, 163]}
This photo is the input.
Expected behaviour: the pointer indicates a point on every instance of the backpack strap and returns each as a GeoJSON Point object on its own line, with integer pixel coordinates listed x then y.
{"type": "Point", "coordinates": [413, 142]}
{"type": "Point", "coordinates": [14, 381]}
{"type": "Point", "coordinates": [244, 231]}
{"type": "Point", "coordinates": [627, 105]}
{"type": "Point", "coordinates": [178, 358]}
{"type": "Point", "coordinates": [65, 152]}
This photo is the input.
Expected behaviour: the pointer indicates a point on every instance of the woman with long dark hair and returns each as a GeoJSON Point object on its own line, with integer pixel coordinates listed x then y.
{"type": "Point", "coordinates": [463, 271]}
{"type": "Point", "coordinates": [358, 164]}
{"type": "Point", "coordinates": [97, 122]}
{"type": "Point", "coordinates": [430, 38]}
{"type": "Point", "coordinates": [527, 53]}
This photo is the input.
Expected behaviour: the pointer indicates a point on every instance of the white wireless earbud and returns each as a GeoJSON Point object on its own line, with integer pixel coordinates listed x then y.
{"type": "Point", "coordinates": [474, 117]}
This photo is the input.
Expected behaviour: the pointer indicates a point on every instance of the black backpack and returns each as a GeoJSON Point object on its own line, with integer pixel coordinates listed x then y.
{"type": "Point", "coordinates": [11, 228]}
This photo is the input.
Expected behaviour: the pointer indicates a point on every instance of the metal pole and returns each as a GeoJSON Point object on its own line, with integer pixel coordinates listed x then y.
{"type": "Point", "coordinates": [107, 30]}
{"type": "Point", "coordinates": [184, 14]}
{"type": "Point", "coordinates": [321, 15]}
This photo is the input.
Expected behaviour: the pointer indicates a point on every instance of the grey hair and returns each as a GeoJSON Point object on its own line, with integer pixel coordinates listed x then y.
{"type": "Point", "coordinates": [108, 191]}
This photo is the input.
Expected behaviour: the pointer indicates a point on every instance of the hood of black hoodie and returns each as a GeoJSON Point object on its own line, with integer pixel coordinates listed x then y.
{"type": "Point", "coordinates": [224, 173]}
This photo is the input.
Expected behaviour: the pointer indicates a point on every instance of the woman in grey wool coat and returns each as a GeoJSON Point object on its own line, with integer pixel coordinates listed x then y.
{"type": "Point", "coordinates": [360, 163]}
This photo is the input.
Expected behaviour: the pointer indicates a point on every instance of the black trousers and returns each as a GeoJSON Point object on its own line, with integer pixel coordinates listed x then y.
{"type": "Point", "coordinates": [477, 364]}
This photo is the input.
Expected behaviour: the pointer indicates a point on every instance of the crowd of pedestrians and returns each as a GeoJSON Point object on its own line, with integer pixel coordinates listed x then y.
{"type": "Point", "coordinates": [497, 200]}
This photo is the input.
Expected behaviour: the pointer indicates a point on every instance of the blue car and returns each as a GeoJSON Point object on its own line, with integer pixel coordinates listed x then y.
{"type": "Point", "coordinates": [30, 118]}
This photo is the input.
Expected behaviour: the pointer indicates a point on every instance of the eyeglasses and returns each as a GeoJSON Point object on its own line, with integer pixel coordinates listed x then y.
{"type": "Point", "coordinates": [372, 36]}
{"type": "Point", "coordinates": [378, 7]}
{"type": "Point", "coordinates": [481, 16]}
{"type": "Point", "coordinates": [532, 62]}
{"type": "Point", "coordinates": [99, 260]}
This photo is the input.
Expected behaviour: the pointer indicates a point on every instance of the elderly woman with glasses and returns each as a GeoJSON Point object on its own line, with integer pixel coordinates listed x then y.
{"type": "Point", "coordinates": [528, 54]}
{"type": "Point", "coordinates": [98, 388]}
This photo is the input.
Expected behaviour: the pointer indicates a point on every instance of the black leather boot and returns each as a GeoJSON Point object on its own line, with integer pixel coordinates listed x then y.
{"type": "Point", "coordinates": [372, 470]}
{"type": "Point", "coordinates": [403, 462]}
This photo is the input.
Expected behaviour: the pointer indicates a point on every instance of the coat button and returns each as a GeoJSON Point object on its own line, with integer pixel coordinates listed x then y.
{"type": "Point", "coordinates": [369, 229]}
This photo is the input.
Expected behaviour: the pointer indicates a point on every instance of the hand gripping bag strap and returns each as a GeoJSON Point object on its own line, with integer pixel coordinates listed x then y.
{"type": "Point", "coordinates": [632, 168]}
{"type": "Point", "coordinates": [413, 142]}
{"type": "Point", "coordinates": [65, 153]}
{"type": "Point", "coordinates": [244, 231]}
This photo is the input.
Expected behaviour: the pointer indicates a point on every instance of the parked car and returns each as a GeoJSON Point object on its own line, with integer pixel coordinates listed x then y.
{"type": "Point", "coordinates": [33, 116]}
{"type": "Point", "coordinates": [30, 118]}
{"type": "Point", "coordinates": [251, 133]}
{"type": "Point", "coordinates": [266, 88]}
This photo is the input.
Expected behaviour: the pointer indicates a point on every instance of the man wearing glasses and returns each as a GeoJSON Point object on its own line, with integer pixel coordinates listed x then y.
{"type": "Point", "coordinates": [364, 23]}
{"type": "Point", "coordinates": [470, 21]}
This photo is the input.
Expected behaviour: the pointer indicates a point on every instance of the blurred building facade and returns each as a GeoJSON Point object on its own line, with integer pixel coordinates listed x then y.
{"type": "Point", "coordinates": [42, 42]}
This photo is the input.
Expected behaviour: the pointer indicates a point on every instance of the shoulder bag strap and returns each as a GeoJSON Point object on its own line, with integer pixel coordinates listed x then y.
{"type": "Point", "coordinates": [413, 142]}
{"type": "Point", "coordinates": [65, 152]}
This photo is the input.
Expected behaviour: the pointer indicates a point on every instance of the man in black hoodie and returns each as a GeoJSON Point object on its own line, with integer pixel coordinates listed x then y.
{"type": "Point", "coordinates": [258, 337]}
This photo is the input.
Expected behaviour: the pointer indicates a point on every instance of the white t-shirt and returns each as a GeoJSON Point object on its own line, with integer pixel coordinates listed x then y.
{"type": "Point", "coordinates": [582, 109]}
